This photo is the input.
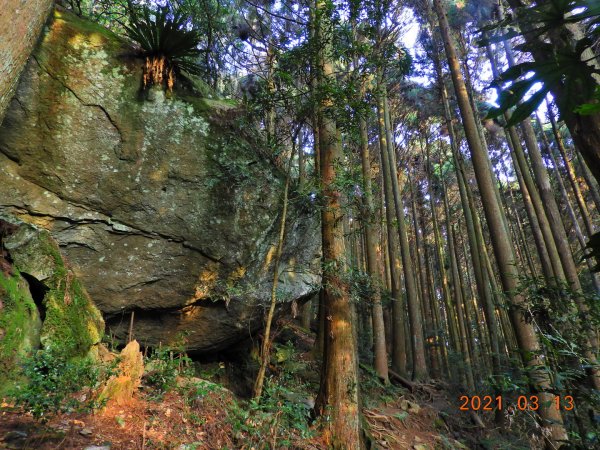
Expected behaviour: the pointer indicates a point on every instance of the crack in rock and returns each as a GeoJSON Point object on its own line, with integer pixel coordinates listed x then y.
{"type": "Point", "coordinates": [84, 103]}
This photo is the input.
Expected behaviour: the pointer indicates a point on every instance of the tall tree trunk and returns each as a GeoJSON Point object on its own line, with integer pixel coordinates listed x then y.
{"type": "Point", "coordinates": [453, 333]}
{"type": "Point", "coordinates": [338, 393]}
{"type": "Point", "coordinates": [437, 360]}
{"type": "Point", "coordinates": [519, 225]}
{"type": "Point", "coordinates": [398, 317]}
{"type": "Point", "coordinates": [564, 250]}
{"type": "Point", "coordinates": [481, 279]}
{"type": "Point", "coordinates": [591, 183]}
{"type": "Point", "coordinates": [316, 118]}
{"type": "Point", "coordinates": [554, 219]}
{"type": "Point", "coordinates": [412, 294]}
{"type": "Point", "coordinates": [270, 87]}
{"type": "Point", "coordinates": [478, 252]}
{"type": "Point", "coordinates": [540, 231]}
{"type": "Point", "coordinates": [585, 214]}
{"type": "Point", "coordinates": [458, 298]}
{"type": "Point", "coordinates": [306, 311]}
{"type": "Point", "coordinates": [265, 353]}
{"type": "Point", "coordinates": [547, 249]}
{"type": "Point", "coordinates": [424, 285]}
{"type": "Point", "coordinates": [595, 278]}
{"type": "Point", "coordinates": [559, 236]}
{"type": "Point", "coordinates": [379, 345]}
{"type": "Point", "coordinates": [479, 343]}
{"type": "Point", "coordinates": [502, 244]}
{"type": "Point", "coordinates": [479, 268]}
{"type": "Point", "coordinates": [565, 195]}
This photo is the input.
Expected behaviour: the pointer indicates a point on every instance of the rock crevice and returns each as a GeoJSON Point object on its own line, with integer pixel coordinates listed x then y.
{"type": "Point", "coordinates": [72, 91]}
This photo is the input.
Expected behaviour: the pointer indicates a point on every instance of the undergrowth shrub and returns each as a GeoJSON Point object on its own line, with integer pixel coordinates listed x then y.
{"type": "Point", "coordinates": [564, 320]}
{"type": "Point", "coordinates": [273, 422]}
{"type": "Point", "coordinates": [199, 397]}
{"type": "Point", "coordinates": [374, 391]}
{"type": "Point", "coordinates": [283, 413]}
{"type": "Point", "coordinates": [163, 366]}
{"type": "Point", "coordinates": [52, 380]}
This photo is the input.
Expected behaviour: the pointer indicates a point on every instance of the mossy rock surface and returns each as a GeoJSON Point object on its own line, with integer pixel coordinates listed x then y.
{"type": "Point", "coordinates": [165, 203]}
{"type": "Point", "coordinates": [20, 326]}
{"type": "Point", "coordinates": [71, 324]}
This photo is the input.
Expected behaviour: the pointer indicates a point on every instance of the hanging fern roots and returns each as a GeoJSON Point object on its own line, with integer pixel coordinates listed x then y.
{"type": "Point", "coordinates": [157, 71]}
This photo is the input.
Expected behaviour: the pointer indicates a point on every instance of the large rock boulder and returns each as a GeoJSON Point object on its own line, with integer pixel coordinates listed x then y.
{"type": "Point", "coordinates": [163, 203]}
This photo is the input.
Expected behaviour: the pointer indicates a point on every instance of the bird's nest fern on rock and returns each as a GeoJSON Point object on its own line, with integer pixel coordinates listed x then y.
{"type": "Point", "coordinates": [168, 41]}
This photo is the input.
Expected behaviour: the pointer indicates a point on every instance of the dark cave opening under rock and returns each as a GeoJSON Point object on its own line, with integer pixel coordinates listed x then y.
{"type": "Point", "coordinates": [38, 291]}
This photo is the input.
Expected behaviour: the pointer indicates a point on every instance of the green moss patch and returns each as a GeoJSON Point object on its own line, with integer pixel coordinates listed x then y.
{"type": "Point", "coordinates": [72, 324]}
{"type": "Point", "coordinates": [19, 326]}
{"type": "Point", "coordinates": [89, 30]}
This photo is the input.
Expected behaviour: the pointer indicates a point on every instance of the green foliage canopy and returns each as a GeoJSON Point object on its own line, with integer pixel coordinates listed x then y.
{"type": "Point", "coordinates": [566, 69]}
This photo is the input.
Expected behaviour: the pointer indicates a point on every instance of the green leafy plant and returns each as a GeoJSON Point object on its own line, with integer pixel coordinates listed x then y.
{"type": "Point", "coordinates": [566, 69]}
{"type": "Point", "coordinates": [164, 365]}
{"type": "Point", "coordinates": [198, 390]}
{"type": "Point", "coordinates": [587, 109]}
{"type": "Point", "coordinates": [168, 40]}
{"type": "Point", "coordinates": [51, 382]}
{"type": "Point", "coordinates": [401, 416]}
{"type": "Point", "coordinates": [593, 247]}
{"type": "Point", "coordinates": [277, 418]}
{"type": "Point", "coordinates": [563, 331]}
{"type": "Point", "coordinates": [196, 395]}
{"type": "Point", "coordinates": [283, 412]}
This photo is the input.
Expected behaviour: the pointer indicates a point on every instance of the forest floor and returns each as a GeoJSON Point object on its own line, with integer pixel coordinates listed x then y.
{"type": "Point", "coordinates": [199, 414]}
{"type": "Point", "coordinates": [149, 424]}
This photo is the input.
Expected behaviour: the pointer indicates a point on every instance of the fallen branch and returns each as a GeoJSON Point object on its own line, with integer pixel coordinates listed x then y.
{"type": "Point", "coordinates": [403, 381]}
{"type": "Point", "coordinates": [477, 420]}
{"type": "Point", "coordinates": [376, 416]}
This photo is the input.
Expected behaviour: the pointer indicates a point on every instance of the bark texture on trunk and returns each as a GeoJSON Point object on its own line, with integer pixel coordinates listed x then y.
{"type": "Point", "coordinates": [412, 295]}
{"type": "Point", "coordinates": [399, 357]}
{"type": "Point", "coordinates": [371, 244]}
{"type": "Point", "coordinates": [338, 394]}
